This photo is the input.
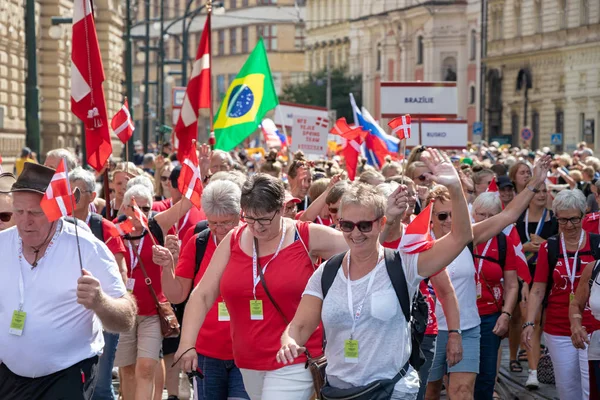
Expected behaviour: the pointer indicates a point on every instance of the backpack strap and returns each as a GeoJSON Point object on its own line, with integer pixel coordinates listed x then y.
{"type": "Point", "coordinates": [501, 239]}
{"type": "Point", "coordinates": [595, 245]}
{"type": "Point", "coordinates": [96, 226]}
{"type": "Point", "coordinates": [156, 230]}
{"type": "Point", "coordinates": [393, 264]}
{"type": "Point", "coordinates": [330, 271]}
{"type": "Point", "coordinates": [595, 272]}
{"type": "Point", "coordinates": [201, 244]}
{"type": "Point", "coordinates": [200, 226]}
{"type": "Point", "coordinates": [553, 253]}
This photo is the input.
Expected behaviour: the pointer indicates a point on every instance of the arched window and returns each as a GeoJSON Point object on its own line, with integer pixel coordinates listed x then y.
{"type": "Point", "coordinates": [420, 50]}
{"type": "Point", "coordinates": [472, 95]}
{"type": "Point", "coordinates": [473, 49]}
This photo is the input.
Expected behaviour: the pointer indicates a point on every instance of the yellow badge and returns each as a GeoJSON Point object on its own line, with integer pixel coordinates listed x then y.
{"type": "Point", "coordinates": [256, 310]}
{"type": "Point", "coordinates": [17, 324]}
{"type": "Point", "coordinates": [223, 312]}
{"type": "Point", "coordinates": [351, 351]}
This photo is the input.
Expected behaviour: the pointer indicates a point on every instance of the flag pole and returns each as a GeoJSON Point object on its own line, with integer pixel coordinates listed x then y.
{"type": "Point", "coordinates": [74, 216]}
{"type": "Point", "coordinates": [403, 149]}
{"type": "Point", "coordinates": [211, 137]}
{"type": "Point", "coordinates": [106, 187]}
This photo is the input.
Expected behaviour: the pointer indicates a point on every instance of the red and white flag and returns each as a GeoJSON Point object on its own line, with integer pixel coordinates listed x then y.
{"type": "Point", "coordinates": [270, 133]}
{"type": "Point", "coordinates": [417, 236]}
{"type": "Point", "coordinates": [139, 215]}
{"type": "Point", "coordinates": [493, 187]}
{"type": "Point", "coordinates": [122, 124]}
{"type": "Point", "coordinates": [197, 96]}
{"type": "Point", "coordinates": [401, 126]}
{"type": "Point", "coordinates": [591, 222]}
{"type": "Point", "coordinates": [87, 94]}
{"type": "Point", "coordinates": [58, 200]}
{"type": "Point", "coordinates": [353, 139]}
{"type": "Point", "coordinates": [190, 181]}
{"type": "Point", "coordinates": [121, 228]}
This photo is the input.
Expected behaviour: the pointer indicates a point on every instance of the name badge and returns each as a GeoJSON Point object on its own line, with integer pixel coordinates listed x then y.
{"type": "Point", "coordinates": [17, 324]}
{"type": "Point", "coordinates": [571, 296]}
{"type": "Point", "coordinates": [223, 312]}
{"type": "Point", "coordinates": [130, 284]}
{"type": "Point", "coordinates": [256, 310]}
{"type": "Point", "coordinates": [351, 351]}
{"type": "Point", "coordinates": [478, 290]}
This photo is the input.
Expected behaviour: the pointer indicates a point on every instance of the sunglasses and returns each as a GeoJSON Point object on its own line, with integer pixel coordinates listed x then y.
{"type": "Point", "coordinates": [333, 210]}
{"type": "Point", "coordinates": [363, 226]}
{"type": "Point", "coordinates": [164, 178]}
{"type": "Point", "coordinates": [443, 215]}
{"type": "Point", "coordinates": [145, 209]}
{"type": "Point", "coordinates": [422, 178]}
{"type": "Point", "coordinates": [5, 216]}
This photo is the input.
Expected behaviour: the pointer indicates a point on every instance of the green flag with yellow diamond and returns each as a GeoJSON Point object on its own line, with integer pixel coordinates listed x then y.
{"type": "Point", "coordinates": [249, 97]}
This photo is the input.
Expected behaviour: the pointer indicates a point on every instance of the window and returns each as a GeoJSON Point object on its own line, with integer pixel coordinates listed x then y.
{"type": "Point", "coordinates": [473, 49]}
{"type": "Point", "coordinates": [232, 41]}
{"type": "Point", "coordinates": [581, 126]}
{"type": "Point", "coordinates": [221, 86]}
{"type": "Point", "coordinates": [562, 15]}
{"type": "Point", "coordinates": [499, 35]}
{"type": "Point", "coordinates": [472, 95]}
{"type": "Point", "coordinates": [539, 17]}
{"type": "Point", "coordinates": [299, 38]}
{"type": "Point", "coordinates": [176, 49]}
{"type": "Point", "coordinates": [449, 69]}
{"type": "Point", "coordinates": [583, 12]}
{"type": "Point", "coordinates": [156, 8]}
{"type": "Point", "coordinates": [221, 42]}
{"type": "Point", "coordinates": [518, 21]}
{"type": "Point", "coordinates": [244, 39]}
{"type": "Point", "coordinates": [420, 50]}
{"type": "Point", "coordinates": [176, 9]}
{"type": "Point", "coordinates": [232, 4]}
{"type": "Point", "coordinates": [277, 82]}
{"type": "Point", "coordinates": [514, 127]}
{"type": "Point", "coordinates": [378, 66]}
{"type": "Point", "coordinates": [535, 127]}
{"type": "Point", "coordinates": [559, 121]}
{"type": "Point", "coordinates": [231, 78]}
{"type": "Point", "coordinates": [269, 35]}
{"type": "Point", "coordinates": [267, 2]}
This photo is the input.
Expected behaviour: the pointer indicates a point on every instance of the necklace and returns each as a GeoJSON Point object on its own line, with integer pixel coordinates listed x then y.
{"type": "Point", "coordinates": [36, 251]}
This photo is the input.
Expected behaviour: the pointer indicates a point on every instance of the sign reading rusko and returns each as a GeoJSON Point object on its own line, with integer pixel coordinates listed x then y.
{"type": "Point", "coordinates": [419, 99]}
{"type": "Point", "coordinates": [309, 134]}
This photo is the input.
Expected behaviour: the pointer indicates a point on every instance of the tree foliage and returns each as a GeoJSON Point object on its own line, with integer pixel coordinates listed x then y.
{"type": "Point", "coordinates": [313, 91]}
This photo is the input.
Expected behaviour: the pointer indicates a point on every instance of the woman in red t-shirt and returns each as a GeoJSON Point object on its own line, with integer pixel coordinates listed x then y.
{"type": "Point", "coordinates": [280, 253]}
{"type": "Point", "coordinates": [497, 289]}
{"type": "Point", "coordinates": [571, 251]}
{"type": "Point", "coordinates": [222, 378]}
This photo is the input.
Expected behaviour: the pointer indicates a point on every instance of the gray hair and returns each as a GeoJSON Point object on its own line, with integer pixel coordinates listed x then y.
{"type": "Point", "coordinates": [234, 176]}
{"type": "Point", "coordinates": [569, 200]}
{"type": "Point", "coordinates": [148, 158]}
{"type": "Point", "coordinates": [227, 156]}
{"type": "Point", "coordinates": [137, 191]}
{"type": "Point", "coordinates": [364, 195]}
{"type": "Point", "coordinates": [141, 180]}
{"type": "Point", "coordinates": [488, 202]}
{"type": "Point", "coordinates": [66, 154]}
{"type": "Point", "coordinates": [387, 188]}
{"type": "Point", "coordinates": [221, 198]}
{"type": "Point", "coordinates": [80, 174]}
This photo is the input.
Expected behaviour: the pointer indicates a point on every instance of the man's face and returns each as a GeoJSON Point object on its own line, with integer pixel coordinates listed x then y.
{"type": "Point", "coordinates": [6, 212]}
{"type": "Point", "coordinates": [32, 224]}
{"type": "Point", "coordinates": [52, 162]}
{"type": "Point", "coordinates": [219, 162]}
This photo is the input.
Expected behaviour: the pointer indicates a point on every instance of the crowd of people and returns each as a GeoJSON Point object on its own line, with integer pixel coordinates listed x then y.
{"type": "Point", "coordinates": [287, 261]}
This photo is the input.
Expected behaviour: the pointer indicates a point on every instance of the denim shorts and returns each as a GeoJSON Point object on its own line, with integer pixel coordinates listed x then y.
{"type": "Point", "coordinates": [470, 361]}
{"type": "Point", "coordinates": [222, 380]}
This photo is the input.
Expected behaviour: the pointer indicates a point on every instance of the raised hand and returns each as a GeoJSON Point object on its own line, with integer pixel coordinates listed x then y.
{"type": "Point", "coordinates": [204, 159]}
{"type": "Point", "coordinates": [442, 170]}
{"type": "Point", "coordinates": [335, 179]}
{"type": "Point", "coordinates": [540, 169]}
{"type": "Point", "coordinates": [162, 256]}
{"type": "Point", "coordinates": [397, 203]}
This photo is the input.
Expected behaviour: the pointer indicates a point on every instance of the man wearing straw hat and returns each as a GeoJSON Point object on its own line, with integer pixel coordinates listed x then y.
{"type": "Point", "coordinates": [52, 310]}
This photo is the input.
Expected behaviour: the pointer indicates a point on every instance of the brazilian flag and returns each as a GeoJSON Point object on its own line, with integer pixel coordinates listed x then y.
{"type": "Point", "coordinates": [249, 97]}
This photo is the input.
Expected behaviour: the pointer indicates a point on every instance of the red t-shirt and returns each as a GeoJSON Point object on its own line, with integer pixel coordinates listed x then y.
{"type": "Point", "coordinates": [591, 223]}
{"type": "Point", "coordinates": [432, 327]}
{"type": "Point", "coordinates": [557, 311]}
{"type": "Point", "coordinates": [514, 239]}
{"type": "Point", "coordinates": [214, 338]}
{"type": "Point", "coordinates": [491, 275]}
{"type": "Point", "coordinates": [162, 205]}
{"type": "Point", "coordinates": [141, 292]}
{"type": "Point", "coordinates": [188, 222]}
{"type": "Point", "coordinates": [115, 245]}
{"type": "Point", "coordinates": [256, 342]}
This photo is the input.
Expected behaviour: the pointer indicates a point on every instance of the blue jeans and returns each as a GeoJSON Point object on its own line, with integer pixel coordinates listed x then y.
{"type": "Point", "coordinates": [104, 387]}
{"type": "Point", "coordinates": [488, 358]}
{"type": "Point", "coordinates": [222, 380]}
{"type": "Point", "coordinates": [428, 349]}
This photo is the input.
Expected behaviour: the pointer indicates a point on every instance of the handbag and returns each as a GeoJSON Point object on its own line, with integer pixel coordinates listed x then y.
{"type": "Point", "coordinates": [169, 326]}
{"type": "Point", "coordinates": [545, 370]}
{"type": "Point", "coordinates": [316, 365]}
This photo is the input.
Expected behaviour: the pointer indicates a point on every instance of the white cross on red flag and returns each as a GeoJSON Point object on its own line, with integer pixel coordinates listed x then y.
{"type": "Point", "coordinates": [139, 215]}
{"type": "Point", "coordinates": [401, 126]}
{"type": "Point", "coordinates": [122, 124]}
{"type": "Point", "coordinates": [87, 94]}
{"type": "Point", "coordinates": [58, 200]}
{"type": "Point", "coordinates": [121, 228]}
{"type": "Point", "coordinates": [190, 182]}
{"type": "Point", "coordinates": [353, 138]}
{"type": "Point", "coordinates": [417, 236]}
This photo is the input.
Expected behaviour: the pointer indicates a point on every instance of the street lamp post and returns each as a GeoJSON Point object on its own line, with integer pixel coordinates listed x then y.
{"type": "Point", "coordinates": [32, 105]}
{"type": "Point", "coordinates": [129, 70]}
{"type": "Point", "coordinates": [146, 126]}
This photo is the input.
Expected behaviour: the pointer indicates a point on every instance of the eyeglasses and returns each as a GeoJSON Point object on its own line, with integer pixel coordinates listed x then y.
{"type": "Point", "coordinates": [442, 216]}
{"type": "Point", "coordinates": [333, 210]}
{"type": "Point", "coordinates": [145, 209]}
{"type": "Point", "coordinates": [363, 226]}
{"type": "Point", "coordinates": [422, 178]}
{"type": "Point", "coordinates": [164, 178]}
{"type": "Point", "coordinates": [574, 220]}
{"type": "Point", "coordinates": [111, 191]}
{"type": "Point", "coordinates": [261, 221]}
{"type": "Point", "coordinates": [5, 216]}
{"type": "Point", "coordinates": [226, 224]}
{"type": "Point", "coordinates": [291, 207]}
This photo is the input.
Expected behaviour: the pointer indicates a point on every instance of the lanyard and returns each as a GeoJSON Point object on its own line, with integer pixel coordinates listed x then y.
{"type": "Point", "coordinates": [185, 219]}
{"type": "Point", "coordinates": [538, 228]}
{"type": "Point", "coordinates": [571, 273]}
{"type": "Point", "coordinates": [255, 276]}
{"type": "Point", "coordinates": [356, 315]}
{"type": "Point", "coordinates": [21, 283]}
{"type": "Point", "coordinates": [214, 239]}
{"type": "Point", "coordinates": [87, 219]}
{"type": "Point", "coordinates": [320, 220]}
{"type": "Point", "coordinates": [305, 202]}
{"type": "Point", "coordinates": [487, 246]}
{"type": "Point", "coordinates": [134, 261]}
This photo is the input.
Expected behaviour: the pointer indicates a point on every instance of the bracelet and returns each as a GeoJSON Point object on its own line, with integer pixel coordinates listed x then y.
{"type": "Point", "coordinates": [507, 313]}
{"type": "Point", "coordinates": [182, 354]}
{"type": "Point", "coordinates": [528, 323]}
{"type": "Point", "coordinates": [533, 189]}
{"type": "Point", "coordinates": [455, 331]}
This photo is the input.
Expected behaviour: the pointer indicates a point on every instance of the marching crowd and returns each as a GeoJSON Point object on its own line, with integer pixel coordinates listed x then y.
{"type": "Point", "coordinates": [291, 281]}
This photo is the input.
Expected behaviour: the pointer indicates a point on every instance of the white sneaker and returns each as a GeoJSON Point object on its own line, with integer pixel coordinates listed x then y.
{"type": "Point", "coordinates": [532, 380]}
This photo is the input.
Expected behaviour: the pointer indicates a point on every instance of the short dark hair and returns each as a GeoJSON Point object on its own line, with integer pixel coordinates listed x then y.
{"type": "Point", "coordinates": [174, 177]}
{"type": "Point", "coordinates": [262, 192]}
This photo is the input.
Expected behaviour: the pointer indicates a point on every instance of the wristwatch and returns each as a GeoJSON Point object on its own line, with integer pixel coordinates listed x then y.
{"type": "Point", "coordinates": [455, 331]}
{"type": "Point", "coordinates": [533, 189]}
{"type": "Point", "coordinates": [528, 323]}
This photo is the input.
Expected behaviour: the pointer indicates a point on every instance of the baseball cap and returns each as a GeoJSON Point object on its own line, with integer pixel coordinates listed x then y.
{"type": "Point", "coordinates": [504, 181]}
{"type": "Point", "coordinates": [289, 198]}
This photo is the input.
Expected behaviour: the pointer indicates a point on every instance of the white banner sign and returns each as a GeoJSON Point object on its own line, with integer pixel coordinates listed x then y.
{"type": "Point", "coordinates": [285, 113]}
{"type": "Point", "coordinates": [419, 99]}
{"type": "Point", "coordinates": [444, 134]}
{"type": "Point", "coordinates": [309, 134]}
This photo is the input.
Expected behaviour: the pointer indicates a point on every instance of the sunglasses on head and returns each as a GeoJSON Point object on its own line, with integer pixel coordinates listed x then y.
{"type": "Point", "coordinates": [443, 215]}
{"type": "Point", "coordinates": [363, 226]}
{"type": "Point", "coordinates": [5, 216]}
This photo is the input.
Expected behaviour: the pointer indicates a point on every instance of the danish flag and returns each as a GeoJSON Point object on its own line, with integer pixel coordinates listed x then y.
{"type": "Point", "coordinates": [197, 96]}
{"type": "Point", "coordinates": [417, 236]}
{"type": "Point", "coordinates": [121, 228]}
{"type": "Point", "coordinates": [87, 95]}
{"type": "Point", "coordinates": [190, 182]}
{"type": "Point", "coordinates": [591, 223]}
{"type": "Point", "coordinates": [401, 126]}
{"type": "Point", "coordinates": [58, 200]}
{"type": "Point", "coordinates": [353, 138]}
{"type": "Point", "coordinates": [322, 122]}
{"type": "Point", "coordinates": [139, 215]}
{"type": "Point", "coordinates": [122, 124]}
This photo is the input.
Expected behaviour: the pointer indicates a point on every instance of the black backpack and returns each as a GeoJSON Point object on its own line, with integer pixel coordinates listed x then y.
{"type": "Point", "coordinates": [96, 226]}
{"type": "Point", "coordinates": [201, 243]}
{"type": "Point", "coordinates": [416, 313]}
{"type": "Point", "coordinates": [554, 252]}
{"type": "Point", "coordinates": [501, 239]}
{"type": "Point", "coordinates": [200, 226]}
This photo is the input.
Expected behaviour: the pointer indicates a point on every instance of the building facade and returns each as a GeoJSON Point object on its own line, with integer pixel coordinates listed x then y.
{"type": "Point", "coordinates": [58, 126]}
{"type": "Point", "coordinates": [543, 59]}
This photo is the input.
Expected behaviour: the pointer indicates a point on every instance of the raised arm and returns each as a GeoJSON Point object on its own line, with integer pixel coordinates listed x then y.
{"type": "Point", "coordinates": [313, 210]}
{"type": "Point", "coordinates": [166, 219]}
{"type": "Point", "coordinates": [448, 247]}
{"type": "Point", "coordinates": [485, 230]}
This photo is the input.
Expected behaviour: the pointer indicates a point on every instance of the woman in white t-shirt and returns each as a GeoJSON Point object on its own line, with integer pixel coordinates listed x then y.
{"type": "Point", "coordinates": [368, 338]}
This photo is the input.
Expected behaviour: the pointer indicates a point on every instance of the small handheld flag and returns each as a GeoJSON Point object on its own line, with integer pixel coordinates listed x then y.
{"type": "Point", "coordinates": [122, 124]}
{"type": "Point", "coordinates": [58, 201]}
{"type": "Point", "coordinates": [417, 236]}
{"type": "Point", "coordinates": [401, 126]}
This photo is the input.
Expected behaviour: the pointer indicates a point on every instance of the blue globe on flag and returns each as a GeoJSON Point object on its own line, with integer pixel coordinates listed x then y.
{"type": "Point", "coordinates": [242, 98]}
